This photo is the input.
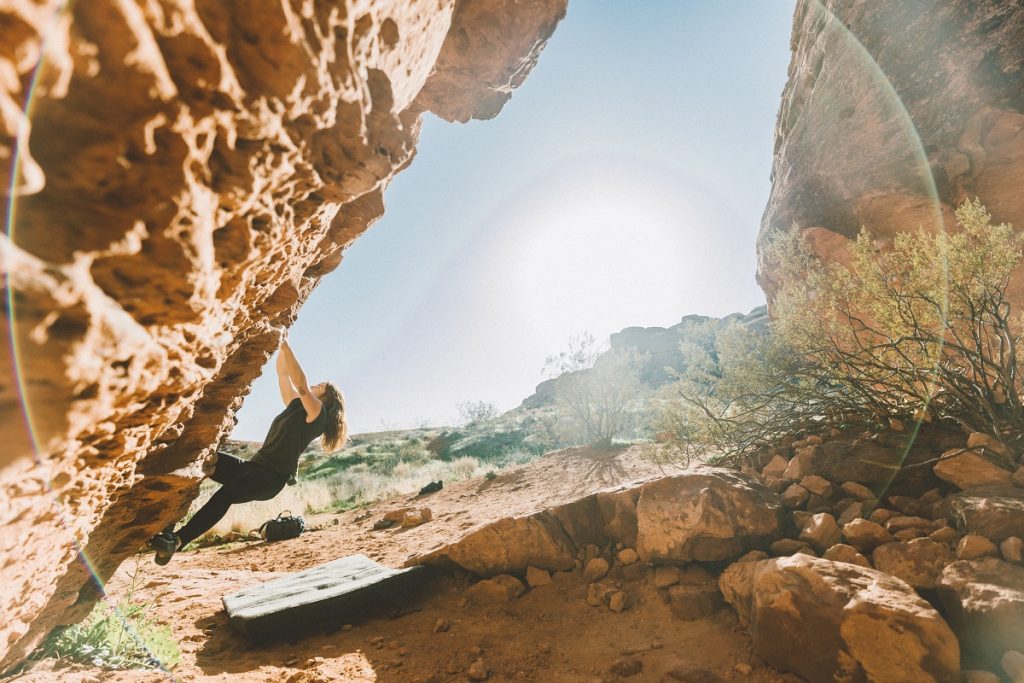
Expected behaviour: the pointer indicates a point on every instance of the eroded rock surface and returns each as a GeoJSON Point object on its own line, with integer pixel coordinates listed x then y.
{"type": "Point", "coordinates": [892, 116]}
{"type": "Point", "coordinates": [704, 514]}
{"type": "Point", "coordinates": [984, 601]}
{"type": "Point", "coordinates": [830, 621]}
{"type": "Point", "coordinates": [192, 171]}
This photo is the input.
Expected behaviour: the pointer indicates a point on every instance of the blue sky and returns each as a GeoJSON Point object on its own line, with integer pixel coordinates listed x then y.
{"type": "Point", "coordinates": [622, 185]}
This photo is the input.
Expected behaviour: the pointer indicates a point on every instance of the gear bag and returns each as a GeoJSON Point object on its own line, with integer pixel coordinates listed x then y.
{"type": "Point", "coordinates": [282, 527]}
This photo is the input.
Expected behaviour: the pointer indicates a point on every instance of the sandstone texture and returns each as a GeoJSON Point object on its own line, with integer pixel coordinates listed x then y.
{"type": "Point", "coordinates": [828, 621]}
{"type": "Point", "coordinates": [984, 602]}
{"type": "Point", "coordinates": [704, 514]}
{"type": "Point", "coordinates": [191, 171]}
{"type": "Point", "coordinates": [892, 116]}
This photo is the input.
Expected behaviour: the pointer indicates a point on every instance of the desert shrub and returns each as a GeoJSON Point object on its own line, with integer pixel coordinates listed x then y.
{"type": "Point", "coordinates": [598, 395]}
{"type": "Point", "coordinates": [919, 330]}
{"type": "Point", "coordinates": [475, 412]}
{"type": "Point", "coordinates": [114, 636]}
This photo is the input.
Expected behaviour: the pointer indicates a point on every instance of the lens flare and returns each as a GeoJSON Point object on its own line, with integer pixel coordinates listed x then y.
{"type": "Point", "coordinates": [834, 26]}
{"type": "Point", "coordinates": [16, 355]}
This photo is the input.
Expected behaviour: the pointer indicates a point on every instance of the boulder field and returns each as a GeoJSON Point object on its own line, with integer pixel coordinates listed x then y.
{"type": "Point", "coordinates": [919, 577]}
{"type": "Point", "coordinates": [190, 172]}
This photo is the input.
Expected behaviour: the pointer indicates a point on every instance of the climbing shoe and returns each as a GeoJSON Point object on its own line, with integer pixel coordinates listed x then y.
{"type": "Point", "coordinates": [165, 544]}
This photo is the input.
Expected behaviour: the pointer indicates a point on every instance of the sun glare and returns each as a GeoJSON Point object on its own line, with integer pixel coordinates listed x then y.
{"type": "Point", "coordinates": [602, 249]}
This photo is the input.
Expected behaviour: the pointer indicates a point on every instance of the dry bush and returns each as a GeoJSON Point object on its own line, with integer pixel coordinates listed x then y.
{"type": "Point", "coordinates": [920, 330]}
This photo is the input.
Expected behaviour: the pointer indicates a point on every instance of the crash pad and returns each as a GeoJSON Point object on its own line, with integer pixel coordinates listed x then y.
{"type": "Point", "coordinates": [328, 595]}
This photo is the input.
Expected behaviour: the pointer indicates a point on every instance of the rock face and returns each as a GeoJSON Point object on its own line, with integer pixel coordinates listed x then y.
{"type": "Point", "coordinates": [984, 600]}
{"type": "Point", "coordinates": [191, 172]}
{"type": "Point", "coordinates": [659, 347]}
{"type": "Point", "coordinates": [704, 514]}
{"type": "Point", "coordinates": [829, 621]}
{"type": "Point", "coordinates": [891, 117]}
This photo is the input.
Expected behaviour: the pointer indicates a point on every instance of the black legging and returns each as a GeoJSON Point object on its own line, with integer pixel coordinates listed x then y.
{"type": "Point", "coordinates": [241, 482]}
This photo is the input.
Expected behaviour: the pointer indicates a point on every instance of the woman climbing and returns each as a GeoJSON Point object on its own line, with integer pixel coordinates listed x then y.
{"type": "Point", "coordinates": [310, 411]}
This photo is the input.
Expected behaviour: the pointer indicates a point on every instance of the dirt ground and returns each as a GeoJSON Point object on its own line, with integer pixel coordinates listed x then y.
{"type": "Point", "coordinates": [548, 634]}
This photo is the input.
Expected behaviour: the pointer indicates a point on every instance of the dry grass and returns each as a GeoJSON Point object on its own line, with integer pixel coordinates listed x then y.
{"type": "Point", "coordinates": [357, 485]}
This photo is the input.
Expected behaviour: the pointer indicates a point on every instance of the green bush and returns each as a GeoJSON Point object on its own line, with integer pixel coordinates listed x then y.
{"type": "Point", "coordinates": [918, 330]}
{"type": "Point", "coordinates": [114, 637]}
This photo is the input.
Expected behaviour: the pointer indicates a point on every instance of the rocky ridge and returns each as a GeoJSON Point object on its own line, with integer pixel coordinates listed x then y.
{"type": "Point", "coordinates": [190, 173]}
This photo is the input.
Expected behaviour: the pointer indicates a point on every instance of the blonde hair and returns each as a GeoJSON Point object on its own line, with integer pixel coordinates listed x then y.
{"type": "Point", "coordinates": [336, 431]}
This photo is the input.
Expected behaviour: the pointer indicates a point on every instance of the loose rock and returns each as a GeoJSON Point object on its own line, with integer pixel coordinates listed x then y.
{"type": "Point", "coordinates": [821, 531]}
{"type": "Point", "coordinates": [1012, 549]}
{"type": "Point", "coordinates": [864, 535]}
{"type": "Point", "coordinates": [972, 546]}
{"type": "Point", "coordinates": [846, 553]}
{"type": "Point", "coordinates": [824, 620]}
{"type": "Point", "coordinates": [968, 468]}
{"type": "Point", "coordinates": [918, 562]}
{"type": "Point", "coordinates": [496, 590]}
{"type": "Point", "coordinates": [537, 577]}
{"type": "Point", "coordinates": [595, 569]}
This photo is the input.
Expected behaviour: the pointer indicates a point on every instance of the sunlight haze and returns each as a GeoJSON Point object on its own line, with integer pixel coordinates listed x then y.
{"type": "Point", "coordinates": [622, 185]}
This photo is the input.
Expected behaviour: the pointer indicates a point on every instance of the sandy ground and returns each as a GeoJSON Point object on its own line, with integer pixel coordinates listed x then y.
{"type": "Point", "coordinates": [549, 634]}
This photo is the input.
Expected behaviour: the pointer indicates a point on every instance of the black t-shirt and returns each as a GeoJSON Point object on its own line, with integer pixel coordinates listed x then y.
{"type": "Point", "coordinates": [288, 436]}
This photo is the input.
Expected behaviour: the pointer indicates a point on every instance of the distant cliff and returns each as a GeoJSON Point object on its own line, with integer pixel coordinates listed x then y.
{"type": "Point", "coordinates": [659, 346]}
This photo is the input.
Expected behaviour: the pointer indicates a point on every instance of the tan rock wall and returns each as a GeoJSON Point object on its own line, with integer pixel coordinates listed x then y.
{"type": "Point", "coordinates": [192, 169]}
{"type": "Point", "coordinates": [892, 116]}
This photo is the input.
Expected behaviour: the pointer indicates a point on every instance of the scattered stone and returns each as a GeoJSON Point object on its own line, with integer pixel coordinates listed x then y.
{"type": "Point", "coordinates": [800, 466]}
{"type": "Point", "coordinates": [666, 575]}
{"type": "Point", "coordinates": [544, 648]}
{"type": "Point", "coordinates": [537, 577]}
{"type": "Point", "coordinates": [441, 625]}
{"type": "Point", "coordinates": [477, 671]}
{"type": "Point", "coordinates": [786, 546]}
{"type": "Point", "coordinates": [969, 468]}
{"type": "Point", "coordinates": [987, 441]}
{"type": "Point", "coordinates": [851, 512]}
{"type": "Point", "coordinates": [627, 556]}
{"type": "Point", "coordinates": [416, 517]}
{"type": "Point", "coordinates": [589, 552]}
{"type": "Point", "coordinates": [598, 594]}
{"type": "Point", "coordinates": [395, 516]}
{"type": "Point", "coordinates": [881, 515]}
{"type": "Point", "coordinates": [946, 534]}
{"type": "Point", "coordinates": [624, 668]}
{"type": "Point", "coordinates": [846, 553]}
{"type": "Point", "coordinates": [857, 491]}
{"type": "Point", "coordinates": [595, 569]}
{"type": "Point", "coordinates": [801, 517]}
{"type": "Point", "coordinates": [496, 590]}
{"type": "Point", "coordinates": [795, 496]}
{"type": "Point", "coordinates": [865, 535]}
{"type": "Point", "coordinates": [776, 485]}
{"type": "Point", "coordinates": [819, 486]}
{"type": "Point", "coordinates": [984, 602]}
{"type": "Point", "coordinates": [743, 668]}
{"type": "Point", "coordinates": [910, 534]}
{"type": "Point", "coordinates": [821, 531]}
{"type": "Point", "coordinates": [1012, 549]}
{"type": "Point", "coordinates": [903, 522]}
{"type": "Point", "coordinates": [617, 602]}
{"type": "Point", "coordinates": [995, 512]}
{"type": "Point", "coordinates": [918, 562]}
{"type": "Point", "coordinates": [973, 546]}
{"type": "Point", "coordinates": [829, 621]}
{"type": "Point", "coordinates": [813, 440]}
{"type": "Point", "coordinates": [1013, 664]}
{"type": "Point", "coordinates": [775, 467]}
